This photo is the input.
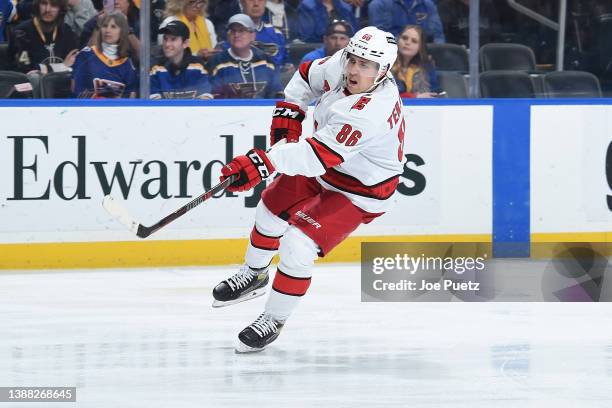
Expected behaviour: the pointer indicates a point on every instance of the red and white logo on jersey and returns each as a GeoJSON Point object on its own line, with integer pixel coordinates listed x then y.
{"type": "Point", "coordinates": [366, 37]}
{"type": "Point", "coordinates": [361, 103]}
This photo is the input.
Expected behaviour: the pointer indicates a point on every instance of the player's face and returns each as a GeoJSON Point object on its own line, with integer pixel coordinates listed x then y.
{"type": "Point", "coordinates": [409, 43]}
{"type": "Point", "coordinates": [48, 12]}
{"type": "Point", "coordinates": [254, 8]}
{"type": "Point", "coordinates": [360, 74]}
{"type": "Point", "coordinates": [240, 37]}
{"type": "Point", "coordinates": [173, 46]}
{"type": "Point", "coordinates": [110, 32]}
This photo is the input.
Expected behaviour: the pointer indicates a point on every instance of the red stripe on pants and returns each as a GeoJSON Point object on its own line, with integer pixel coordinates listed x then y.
{"type": "Point", "coordinates": [290, 285]}
{"type": "Point", "coordinates": [261, 241]}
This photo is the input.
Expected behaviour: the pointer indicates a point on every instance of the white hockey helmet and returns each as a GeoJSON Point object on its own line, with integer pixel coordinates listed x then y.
{"type": "Point", "coordinates": [375, 45]}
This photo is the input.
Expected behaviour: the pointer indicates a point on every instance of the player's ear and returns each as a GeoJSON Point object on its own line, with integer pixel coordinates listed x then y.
{"type": "Point", "coordinates": [186, 43]}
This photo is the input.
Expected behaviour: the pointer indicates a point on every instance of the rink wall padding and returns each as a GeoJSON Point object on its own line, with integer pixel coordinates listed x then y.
{"type": "Point", "coordinates": [77, 255]}
{"type": "Point", "coordinates": [513, 172]}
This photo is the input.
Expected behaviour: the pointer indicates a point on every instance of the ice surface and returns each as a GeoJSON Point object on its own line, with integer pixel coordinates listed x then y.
{"type": "Point", "coordinates": [149, 338]}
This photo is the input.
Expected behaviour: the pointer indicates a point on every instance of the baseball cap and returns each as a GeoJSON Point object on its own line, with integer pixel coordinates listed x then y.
{"type": "Point", "coordinates": [332, 28]}
{"type": "Point", "coordinates": [243, 20]}
{"type": "Point", "coordinates": [177, 28]}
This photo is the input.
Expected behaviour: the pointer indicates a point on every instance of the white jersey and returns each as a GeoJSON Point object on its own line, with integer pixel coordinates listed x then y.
{"type": "Point", "coordinates": [357, 146]}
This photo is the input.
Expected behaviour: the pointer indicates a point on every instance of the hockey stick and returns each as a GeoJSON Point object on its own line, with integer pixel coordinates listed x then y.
{"type": "Point", "coordinates": [120, 213]}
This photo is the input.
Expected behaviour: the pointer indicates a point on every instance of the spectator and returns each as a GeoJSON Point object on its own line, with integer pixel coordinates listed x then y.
{"type": "Point", "coordinates": [178, 75]}
{"type": "Point", "coordinates": [413, 71]}
{"type": "Point", "coordinates": [105, 69]}
{"type": "Point", "coordinates": [202, 36]}
{"type": "Point", "coordinates": [7, 14]}
{"type": "Point", "coordinates": [283, 15]}
{"type": "Point", "coordinates": [79, 12]}
{"type": "Point", "coordinates": [336, 37]}
{"type": "Point", "coordinates": [267, 38]}
{"type": "Point", "coordinates": [43, 43]}
{"type": "Point", "coordinates": [243, 71]}
{"type": "Point", "coordinates": [360, 11]}
{"type": "Point", "coordinates": [131, 12]}
{"type": "Point", "coordinates": [394, 15]}
{"type": "Point", "coordinates": [315, 15]}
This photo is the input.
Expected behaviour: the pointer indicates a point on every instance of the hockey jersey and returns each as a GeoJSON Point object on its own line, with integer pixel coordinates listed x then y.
{"type": "Point", "coordinates": [314, 54]}
{"type": "Point", "coordinates": [357, 145]}
{"type": "Point", "coordinates": [189, 80]}
{"type": "Point", "coordinates": [232, 77]}
{"type": "Point", "coordinates": [271, 41]}
{"type": "Point", "coordinates": [7, 13]}
{"type": "Point", "coordinates": [29, 46]}
{"type": "Point", "coordinates": [96, 76]}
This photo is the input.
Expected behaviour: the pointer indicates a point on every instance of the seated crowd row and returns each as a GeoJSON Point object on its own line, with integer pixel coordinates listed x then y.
{"type": "Point", "coordinates": [249, 63]}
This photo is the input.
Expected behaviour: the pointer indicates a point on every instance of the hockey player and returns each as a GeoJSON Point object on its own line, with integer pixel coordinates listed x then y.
{"type": "Point", "coordinates": [343, 175]}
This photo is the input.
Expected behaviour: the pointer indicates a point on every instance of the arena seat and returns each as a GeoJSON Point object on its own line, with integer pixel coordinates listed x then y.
{"type": "Point", "coordinates": [8, 80]}
{"type": "Point", "coordinates": [506, 84]}
{"type": "Point", "coordinates": [449, 57]}
{"type": "Point", "coordinates": [506, 57]}
{"type": "Point", "coordinates": [453, 83]}
{"type": "Point", "coordinates": [56, 85]}
{"type": "Point", "coordinates": [571, 84]}
{"type": "Point", "coordinates": [297, 50]}
{"type": "Point", "coordinates": [4, 65]}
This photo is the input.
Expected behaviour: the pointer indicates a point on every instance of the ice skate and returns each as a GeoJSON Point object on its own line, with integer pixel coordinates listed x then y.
{"type": "Point", "coordinates": [256, 336]}
{"type": "Point", "coordinates": [245, 285]}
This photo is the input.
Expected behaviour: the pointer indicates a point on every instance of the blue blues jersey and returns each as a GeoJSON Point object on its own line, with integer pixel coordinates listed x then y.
{"type": "Point", "coordinates": [314, 54]}
{"type": "Point", "coordinates": [314, 18]}
{"type": "Point", "coordinates": [394, 15]}
{"type": "Point", "coordinates": [271, 41]}
{"type": "Point", "coordinates": [188, 80]}
{"type": "Point", "coordinates": [232, 77]}
{"type": "Point", "coordinates": [7, 11]}
{"type": "Point", "coordinates": [97, 76]}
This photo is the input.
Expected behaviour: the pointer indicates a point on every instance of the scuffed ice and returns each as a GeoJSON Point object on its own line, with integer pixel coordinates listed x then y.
{"type": "Point", "coordinates": [149, 338]}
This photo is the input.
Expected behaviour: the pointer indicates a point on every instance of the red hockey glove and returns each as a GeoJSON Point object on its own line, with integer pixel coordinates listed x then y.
{"type": "Point", "coordinates": [251, 169]}
{"type": "Point", "coordinates": [286, 123]}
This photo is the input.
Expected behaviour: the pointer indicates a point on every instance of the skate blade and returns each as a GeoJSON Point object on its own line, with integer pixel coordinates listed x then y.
{"type": "Point", "coordinates": [251, 295]}
{"type": "Point", "coordinates": [242, 348]}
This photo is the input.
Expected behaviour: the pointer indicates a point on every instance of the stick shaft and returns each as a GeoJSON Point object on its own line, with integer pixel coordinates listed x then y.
{"type": "Point", "coordinates": [144, 232]}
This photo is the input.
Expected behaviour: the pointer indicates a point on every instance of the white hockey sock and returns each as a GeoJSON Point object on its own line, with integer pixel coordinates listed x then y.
{"type": "Point", "coordinates": [265, 237]}
{"type": "Point", "coordinates": [298, 253]}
